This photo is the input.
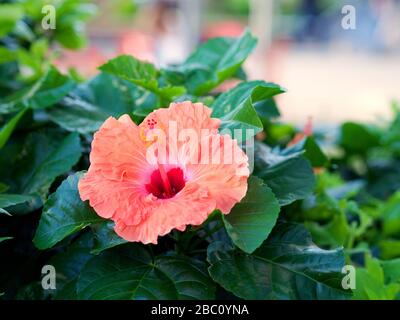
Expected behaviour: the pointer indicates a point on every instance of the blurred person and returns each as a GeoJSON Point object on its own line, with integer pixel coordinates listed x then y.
{"type": "Point", "coordinates": [137, 43]}
{"type": "Point", "coordinates": [169, 32]}
{"type": "Point", "coordinates": [388, 25]}
{"type": "Point", "coordinates": [316, 24]}
{"type": "Point", "coordinates": [85, 61]}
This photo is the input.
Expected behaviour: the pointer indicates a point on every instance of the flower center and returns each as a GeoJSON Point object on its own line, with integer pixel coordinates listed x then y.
{"type": "Point", "coordinates": [164, 184]}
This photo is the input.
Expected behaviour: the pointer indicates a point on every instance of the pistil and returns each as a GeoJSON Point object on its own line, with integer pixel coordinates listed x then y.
{"type": "Point", "coordinates": [165, 180]}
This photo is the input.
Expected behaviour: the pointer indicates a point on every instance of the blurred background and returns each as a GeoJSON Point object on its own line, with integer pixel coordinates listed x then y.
{"type": "Point", "coordinates": [332, 73]}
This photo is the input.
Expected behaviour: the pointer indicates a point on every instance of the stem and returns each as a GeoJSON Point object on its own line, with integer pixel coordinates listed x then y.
{"type": "Point", "coordinates": [198, 241]}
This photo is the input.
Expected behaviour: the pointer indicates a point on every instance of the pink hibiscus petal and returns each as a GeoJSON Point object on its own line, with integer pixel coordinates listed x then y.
{"type": "Point", "coordinates": [147, 198]}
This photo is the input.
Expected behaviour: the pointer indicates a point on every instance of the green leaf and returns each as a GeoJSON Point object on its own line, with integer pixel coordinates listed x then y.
{"type": "Point", "coordinates": [383, 177]}
{"type": "Point", "coordinates": [391, 215]}
{"type": "Point", "coordinates": [8, 128]}
{"type": "Point", "coordinates": [312, 152]}
{"type": "Point", "coordinates": [370, 282]}
{"type": "Point", "coordinates": [34, 291]}
{"type": "Point", "coordinates": [357, 138]}
{"type": "Point", "coordinates": [7, 55]}
{"type": "Point", "coordinates": [129, 272]}
{"type": "Point", "coordinates": [91, 103]}
{"type": "Point", "coordinates": [287, 266]}
{"type": "Point", "coordinates": [334, 233]}
{"type": "Point", "coordinates": [289, 175]}
{"type": "Point", "coordinates": [71, 16]}
{"type": "Point", "coordinates": [339, 221]}
{"type": "Point", "coordinates": [251, 220]}
{"type": "Point", "coordinates": [9, 15]}
{"type": "Point", "coordinates": [42, 158]}
{"type": "Point", "coordinates": [256, 91]}
{"type": "Point", "coordinates": [5, 238]}
{"type": "Point", "coordinates": [8, 200]}
{"type": "Point", "coordinates": [131, 69]}
{"type": "Point", "coordinates": [47, 91]}
{"type": "Point", "coordinates": [190, 277]}
{"type": "Point", "coordinates": [391, 269]}
{"type": "Point", "coordinates": [63, 214]}
{"type": "Point", "coordinates": [236, 107]}
{"type": "Point", "coordinates": [71, 36]}
{"type": "Point", "coordinates": [70, 262]}
{"type": "Point", "coordinates": [212, 63]}
{"type": "Point", "coordinates": [389, 248]}
{"type": "Point", "coordinates": [69, 265]}
{"type": "Point", "coordinates": [67, 291]}
{"type": "Point", "coordinates": [143, 74]}
{"type": "Point", "coordinates": [23, 31]}
{"type": "Point", "coordinates": [3, 187]}
{"type": "Point", "coordinates": [105, 237]}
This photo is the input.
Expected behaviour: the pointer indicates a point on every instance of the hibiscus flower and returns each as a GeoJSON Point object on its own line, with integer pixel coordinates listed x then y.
{"type": "Point", "coordinates": [172, 170]}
